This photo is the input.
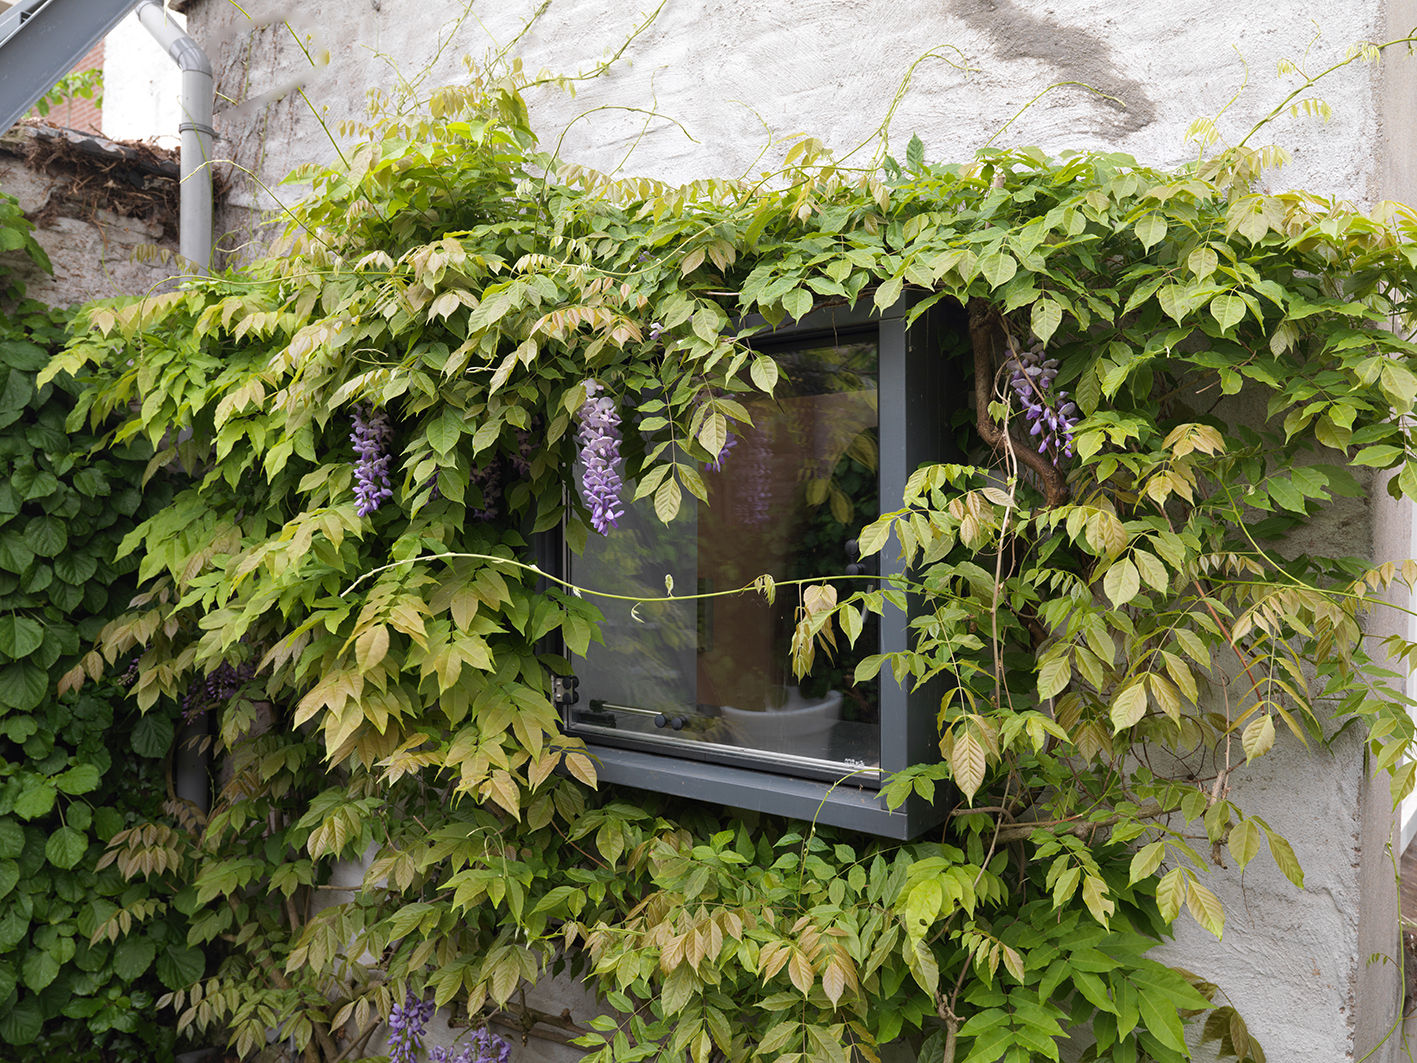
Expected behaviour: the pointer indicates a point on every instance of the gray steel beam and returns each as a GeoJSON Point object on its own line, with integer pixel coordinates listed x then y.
{"type": "Point", "coordinates": [45, 39]}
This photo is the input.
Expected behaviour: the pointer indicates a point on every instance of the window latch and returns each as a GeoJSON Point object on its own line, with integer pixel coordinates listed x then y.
{"type": "Point", "coordinates": [565, 690]}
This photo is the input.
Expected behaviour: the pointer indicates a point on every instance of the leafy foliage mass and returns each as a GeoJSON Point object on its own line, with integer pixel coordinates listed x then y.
{"type": "Point", "coordinates": [1124, 633]}
{"type": "Point", "coordinates": [66, 981]}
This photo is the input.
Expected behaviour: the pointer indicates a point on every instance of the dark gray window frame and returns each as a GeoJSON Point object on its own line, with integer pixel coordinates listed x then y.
{"type": "Point", "coordinates": [914, 410]}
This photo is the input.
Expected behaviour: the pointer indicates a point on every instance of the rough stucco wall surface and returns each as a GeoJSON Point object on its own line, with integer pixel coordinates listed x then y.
{"type": "Point", "coordinates": [99, 255]}
{"type": "Point", "coordinates": [726, 71]}
{"type": "Point", "coordinates": [723, 68]}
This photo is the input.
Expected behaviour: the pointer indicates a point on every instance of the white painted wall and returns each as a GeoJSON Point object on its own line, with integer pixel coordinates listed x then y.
{"type": "Point", "coordinates": [728, 71]}
{"type": "Point", "coordinates": [142, 86]}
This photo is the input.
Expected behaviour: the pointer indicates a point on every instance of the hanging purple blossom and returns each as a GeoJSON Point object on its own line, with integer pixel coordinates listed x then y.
{"type": "Point", "coordinates": [406, 1025]}
{"type": "Point", "coordinates": [655, 331]}
{"type": "Point", "coordinates": [601, 478]}
{"type": "Point", "coordinates": [371, 438]}
{"type": "Point", "coordinates": [1051, 416]}
{"type": "Point", "coordinates": [484, 1047]}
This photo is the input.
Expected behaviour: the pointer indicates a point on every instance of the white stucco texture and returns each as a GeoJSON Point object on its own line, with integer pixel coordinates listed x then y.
{"type": "Point", "coordinates": [722, 71]}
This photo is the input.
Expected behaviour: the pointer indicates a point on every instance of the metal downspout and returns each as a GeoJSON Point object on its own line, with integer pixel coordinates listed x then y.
{"type": "Point", "coordinates": [191, 767]}
{"type": "Point", "coordinates": [198, 136]}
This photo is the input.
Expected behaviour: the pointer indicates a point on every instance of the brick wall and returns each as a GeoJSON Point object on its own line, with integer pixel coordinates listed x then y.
{"type": "Point", "coordinates": [80, 113]}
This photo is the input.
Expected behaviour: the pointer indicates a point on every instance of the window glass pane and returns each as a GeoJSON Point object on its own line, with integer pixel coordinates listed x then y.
{"type": "Point", "coordinates": [713, 677]}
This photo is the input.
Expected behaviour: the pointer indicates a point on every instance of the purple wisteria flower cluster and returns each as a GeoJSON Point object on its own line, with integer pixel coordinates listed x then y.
{"type": "Point", "coordinates": [602, 480]}
{"type": "Point", "coordinates": [1051, 415]}
{"type": "Point", "coordinates": [484, 1047]}
{"type": "Point", "coordinates": [371, 438]}
{"type": "Point", "coordinates": [407, 1021]}
{"type": "Point", "coordinates": [219, 686]}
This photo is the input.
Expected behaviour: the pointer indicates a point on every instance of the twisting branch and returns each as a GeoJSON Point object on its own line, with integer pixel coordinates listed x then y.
{"type": "Point", "coordinates": [983, 337]}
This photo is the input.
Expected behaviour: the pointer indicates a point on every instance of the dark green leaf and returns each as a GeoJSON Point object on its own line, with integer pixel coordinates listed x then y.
{"type": "Point", "coordinates": [152, 736]}
{"type": "Point", "coordinates": [65, 847]}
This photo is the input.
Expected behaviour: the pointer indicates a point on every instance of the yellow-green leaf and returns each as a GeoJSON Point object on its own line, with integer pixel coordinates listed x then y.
{"type": "Point", "coordinates": [1122, 582]}
{"type": "Point", "coordinates": [1206, 908]}
{"type": "Point", "coordinates": [1129, 706]}
{"type": "Point", "coordinates": [1228, 311]}
{"type": "Point", "coordinates": [1146, 860]}
{"type": "Point", "coordinates": [967, 764]}
{"type": "Point", "coordinates": [1171, 892]}
{"type": "Point", "coordinates": [998, 268]}
{"type": "Point", "coordinates": [371, 646]}
{"type": "Point", "coordinates": [1046, 317]}
{"type": "Point", "coordinates": [1258, 736]}
{"type": "Point", "coordinates": [1244, 842]}
{"type": "Point", "coordinates": [1202, 262]}
{"type": "Point", "coordinates": [1151, 230]}
{"type": "Point", "coordinates": [667, 499]}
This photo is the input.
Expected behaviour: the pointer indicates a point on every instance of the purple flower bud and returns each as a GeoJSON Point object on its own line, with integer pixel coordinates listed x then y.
{"type": "Point", "coordinates": [655, 331]}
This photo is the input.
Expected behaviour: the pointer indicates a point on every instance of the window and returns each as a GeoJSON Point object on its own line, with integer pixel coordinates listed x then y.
{"type": "Point", "coordinates": [698, 698]}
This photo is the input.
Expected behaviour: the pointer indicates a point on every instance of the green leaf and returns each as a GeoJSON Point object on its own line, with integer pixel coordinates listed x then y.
{"type": "Point", "coordinates": [444, 431]}
{"type": "Point", "coordinates": [15, 554]}
{"type": "Point", "coordinates": [38, 969]}
{"type": "Point", "coordinates": [180, 965]}
{"type": "Point", "coordinates": [19, 635]}
{"type": "Point", "coordinates": [1162, 1019]}
{"type": "Point", "coordinates": [915, 154]}
{"type": "Point", "coordinates": [35, 801]}
{"type": "Point", "coordinates": [152, 736]}
{"type": "Point", "coordinates": [21, 1022]}
{"type": "Point", "coordinates": [1284, 857]}
{"type": "Point", "coordinates": [1381, 456]}
{"type": "Point", "coordinates": [47, 536]}
{"type": "Point", "coordinates": [12, 838]}
{"type": "Point", "coordinates": [1054, 675]}
{"type": "Point", "coordinates": [80, 779]}
{"type": "Point", "coordinates": [1129, 706]}
{"type": "Point", "coordinates": [16, 394]}
{"type": "Point", "coordinates": [873, 536]}
{"type": "Point", "coordinates": [922, 908]}
{"type": "Point", "coordinates": [1206, 908]}
{"type": "Point", "coordinates": [23, 685]}
{"type": "Point", "coordinates": [9, 876]}
{"type": "Point", "coordinates": [132, 957]}
{"type": "Point", "coordinates": [65, 847]}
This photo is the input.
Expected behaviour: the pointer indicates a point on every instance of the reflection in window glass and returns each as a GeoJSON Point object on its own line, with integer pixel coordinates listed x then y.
{"type": "Point", "coordinates": [789, 498]}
